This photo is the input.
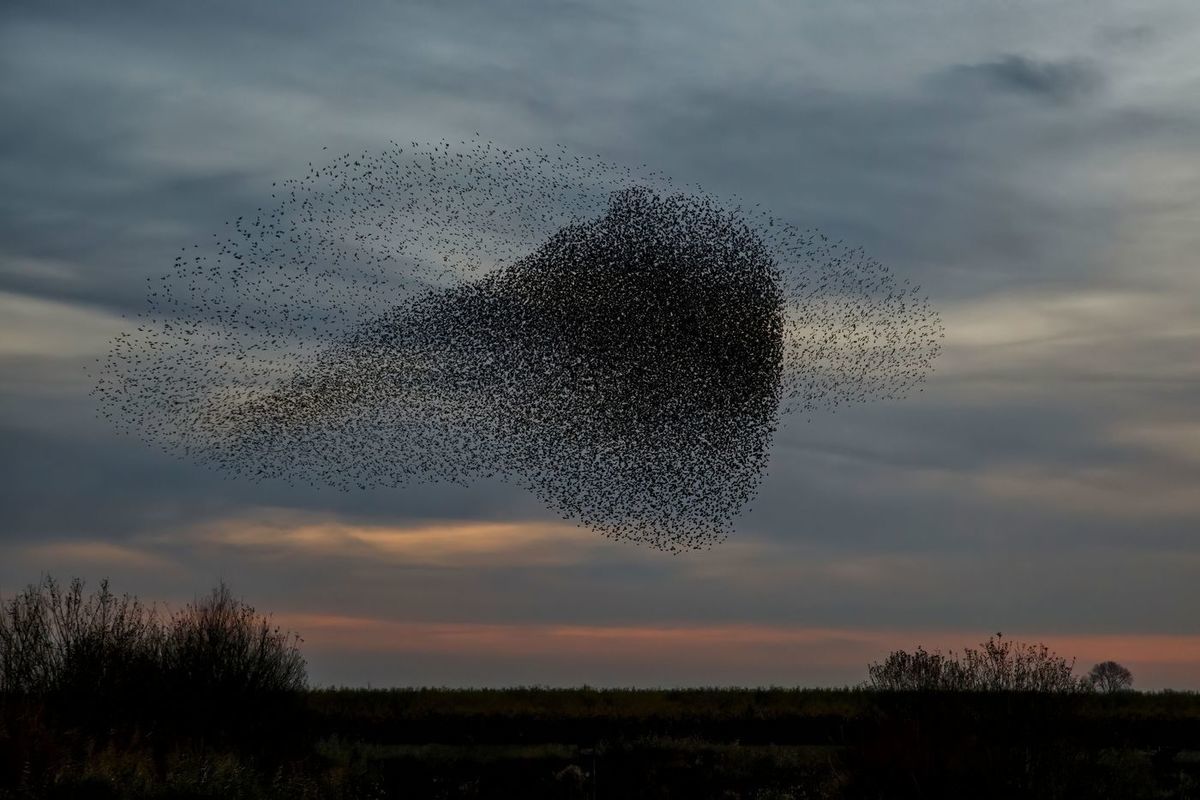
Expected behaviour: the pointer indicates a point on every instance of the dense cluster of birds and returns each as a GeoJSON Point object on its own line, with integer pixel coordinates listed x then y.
{"type": "Point", "coordinates": [623, 347]}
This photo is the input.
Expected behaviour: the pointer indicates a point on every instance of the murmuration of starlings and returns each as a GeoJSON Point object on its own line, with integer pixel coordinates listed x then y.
{"type": "Point", "coordinates": [623, 347]}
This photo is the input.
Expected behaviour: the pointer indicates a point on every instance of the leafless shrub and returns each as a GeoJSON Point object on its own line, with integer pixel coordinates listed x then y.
{"type": "Point", "coordinates": [222, 645]}
{"type": "Point", "coordinates": [56, 640]}
{"type": "Point", "coordinates": [918, 671]}
{"type": "Point", "coordinates": [25, 661]}
{"type": "Point", "coordinates": [998, 664]}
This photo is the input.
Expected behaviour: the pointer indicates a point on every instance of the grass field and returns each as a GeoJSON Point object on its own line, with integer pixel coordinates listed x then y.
{"type": "Point", "coordinates": [584, 743]}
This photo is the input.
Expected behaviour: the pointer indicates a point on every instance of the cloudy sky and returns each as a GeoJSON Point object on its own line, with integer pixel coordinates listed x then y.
{"type": "Point", "coordinates": [1035, 166]}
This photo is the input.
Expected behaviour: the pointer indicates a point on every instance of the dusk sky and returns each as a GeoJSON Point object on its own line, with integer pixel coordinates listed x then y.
{"type": "Point", "coordinates": [1035, 166]}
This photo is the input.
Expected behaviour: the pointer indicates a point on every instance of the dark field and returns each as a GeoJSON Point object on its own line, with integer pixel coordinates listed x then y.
{"type": "Point", "coordinates": [583, 743]}
{"type": "Point", "coordinates": [102, 697]}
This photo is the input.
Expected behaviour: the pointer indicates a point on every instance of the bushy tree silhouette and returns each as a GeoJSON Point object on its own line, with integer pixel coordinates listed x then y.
{"type": "Point", "coordinates": [222, 645]}
{"type": "Point", "coordinates": [230, 673]}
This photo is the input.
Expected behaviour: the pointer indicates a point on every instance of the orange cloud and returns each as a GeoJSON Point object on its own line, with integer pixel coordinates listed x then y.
{"type": "Point", "coordinates": [442, 543]}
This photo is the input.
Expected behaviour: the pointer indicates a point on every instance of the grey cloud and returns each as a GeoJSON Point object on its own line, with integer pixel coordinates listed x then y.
{"type": "Point", "coordinates": [928, 183]}
{"type": "Point", "coordinates": [1130, 37]}
{"type": "Point", "coordinates": [1053, 81]}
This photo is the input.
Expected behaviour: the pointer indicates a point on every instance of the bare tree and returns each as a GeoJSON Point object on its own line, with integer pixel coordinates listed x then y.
{"type": "Point", "coordinates": [1109, 676]}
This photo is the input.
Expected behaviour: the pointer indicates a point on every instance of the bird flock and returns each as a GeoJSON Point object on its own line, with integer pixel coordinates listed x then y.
{"type": "Point", "coordinates": [623, 347]}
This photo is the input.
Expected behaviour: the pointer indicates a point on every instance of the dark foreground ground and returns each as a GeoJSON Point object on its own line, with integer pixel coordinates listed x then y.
{"type": "Point", "coordinates": [534, 743]}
